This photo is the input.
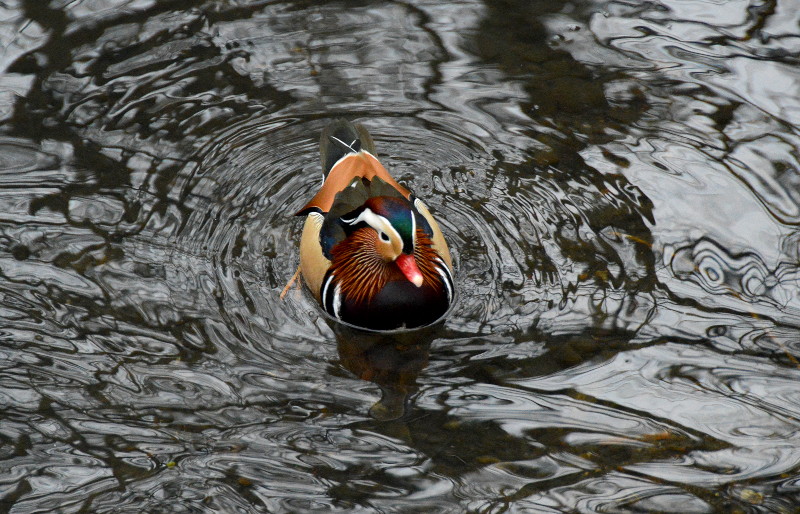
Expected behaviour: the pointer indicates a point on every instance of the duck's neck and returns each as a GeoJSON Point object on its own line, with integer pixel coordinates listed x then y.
{"type": "Point", "coordinates": [358, 267]}
{"type": "Point", "coordinates": [362, 272]}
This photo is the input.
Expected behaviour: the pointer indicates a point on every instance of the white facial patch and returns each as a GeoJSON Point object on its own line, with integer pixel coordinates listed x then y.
{"type": "Point", "coordinates": [375, 221]}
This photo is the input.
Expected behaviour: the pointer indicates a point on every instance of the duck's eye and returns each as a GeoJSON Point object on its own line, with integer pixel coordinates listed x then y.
{"type": "Point", "coordinates": [384, 237]}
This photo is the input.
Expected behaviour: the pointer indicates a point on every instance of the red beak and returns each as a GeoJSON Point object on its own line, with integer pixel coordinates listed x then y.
{"type": "Point", "coordinates": [408, 266]}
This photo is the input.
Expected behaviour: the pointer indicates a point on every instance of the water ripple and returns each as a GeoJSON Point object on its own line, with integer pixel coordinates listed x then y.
{"type": "Point", "coordinates": [617, 184]}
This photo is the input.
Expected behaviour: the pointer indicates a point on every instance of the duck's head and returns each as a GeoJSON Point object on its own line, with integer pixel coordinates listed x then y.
{"type": "Point", "coordinates": [394, 225]}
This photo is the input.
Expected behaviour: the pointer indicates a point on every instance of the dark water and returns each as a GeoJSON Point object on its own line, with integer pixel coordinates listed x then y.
{"type": "Point", "coordinates": [619, 185]}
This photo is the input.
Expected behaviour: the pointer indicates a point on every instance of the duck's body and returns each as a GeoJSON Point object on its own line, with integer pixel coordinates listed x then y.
{"type": "Point", "coordinates": [371, 253]}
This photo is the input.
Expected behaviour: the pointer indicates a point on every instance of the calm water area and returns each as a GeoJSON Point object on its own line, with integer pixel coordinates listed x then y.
{"type": "Point", "coordinates": [619, 183]}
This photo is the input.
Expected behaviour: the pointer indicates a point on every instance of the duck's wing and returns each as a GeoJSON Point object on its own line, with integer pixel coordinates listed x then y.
{"type": "Point", "coordinates": [353, 166]}
{"type": "Point", "coordinates": [347, 153]}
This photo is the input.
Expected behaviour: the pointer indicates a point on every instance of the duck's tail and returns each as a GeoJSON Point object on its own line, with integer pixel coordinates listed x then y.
{"type": "Point", "coordinates": [341, 138]}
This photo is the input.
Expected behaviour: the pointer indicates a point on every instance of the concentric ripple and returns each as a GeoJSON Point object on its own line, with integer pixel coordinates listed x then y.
{"type": "Point", "coordinates": [617, 183]}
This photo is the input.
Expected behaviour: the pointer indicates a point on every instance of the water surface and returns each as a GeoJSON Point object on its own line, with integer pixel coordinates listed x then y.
{"type": "Point", "coordinates": [618, 182]}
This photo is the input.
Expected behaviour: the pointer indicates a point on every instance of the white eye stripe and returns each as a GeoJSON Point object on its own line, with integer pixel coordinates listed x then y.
{"type": "Point", "coordinates": [367, 216]}
{"type": "Point", "coordinates": [375, 221]}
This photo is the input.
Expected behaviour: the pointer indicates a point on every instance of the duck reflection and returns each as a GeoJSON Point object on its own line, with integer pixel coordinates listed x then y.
{"type": "Point", "coordinates": [392, 360]}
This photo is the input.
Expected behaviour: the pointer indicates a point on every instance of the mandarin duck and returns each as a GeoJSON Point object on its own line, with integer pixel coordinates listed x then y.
{"type": "Point", "coordinates": [371, 253]}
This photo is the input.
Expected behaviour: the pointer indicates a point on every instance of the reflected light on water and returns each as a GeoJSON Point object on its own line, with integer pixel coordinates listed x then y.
{"type": "Point", "coordinates": [618, 186]}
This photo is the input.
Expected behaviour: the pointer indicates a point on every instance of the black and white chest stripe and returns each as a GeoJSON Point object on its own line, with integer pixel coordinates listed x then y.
{"type": "Point", "coordinates": [331, 290]}
{"type": "Point", "coordinates": [447, 277]}
{"type": "Point", "coordinates": [331, 296]}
